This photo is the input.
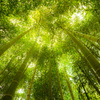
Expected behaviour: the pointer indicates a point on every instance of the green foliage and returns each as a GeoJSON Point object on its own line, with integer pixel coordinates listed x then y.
{"type": "Point", "coordinates": [47, 17]}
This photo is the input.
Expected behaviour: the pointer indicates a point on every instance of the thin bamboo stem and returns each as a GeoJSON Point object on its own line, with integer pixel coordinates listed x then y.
{"type": "Point", "coordinates": [9, 44]}
{"type": "Point", "coordinates": [31, 83]}
{"type": "Point", "coordinates": [89, 66]}
{"type": "Point", "coordinates": [89, 37]}
{"type": "Point", "coordinates": [88, 55]}
{"type": "Point", "coordinates": [69, 86]}
{"type": "Point", "coordinates": [60, 88]}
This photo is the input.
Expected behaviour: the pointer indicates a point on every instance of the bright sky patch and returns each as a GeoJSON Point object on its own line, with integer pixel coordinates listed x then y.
{"type": "Point", "coordinates": [20, 91]}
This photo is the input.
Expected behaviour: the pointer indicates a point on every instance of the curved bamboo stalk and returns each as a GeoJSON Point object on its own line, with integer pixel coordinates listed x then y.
{"type": "Point", "coordinates": [91, 81]}
{"type": "Point", "coordinates": [81, 94]}
{"type": "Point", "coordinates": [5, 75]}
{"type": "Point", "coordinates": [88, 55]}
{"type": "Point", "coordinates": [84, 89]}
{"type": "Point", "coordinates": [50, 80]}
{"type": "Point", "coordinates": [69, 86]}
{"type": "Point", "coordinates": [11, 90]}
{"type": "Point", "coordinates": [50, 87]}
{"type": "Point", "coordinates": [6, 66]}
{"type": "Point", "coordinates": [31, 83]}
{"type": "Point", "coordinates": [45, 82]}
{"type": "Point", "coordinates": [89, 37]}
{"type": "Point", "coordinates": [94, 45]}
{"type": "Point", "coordinates": [32, 80]}
{"type": "Point", "coordinates": [60, 88]}
{"type": "Point", "coordinates": [9, 44]}
{"type": "Point", "coordinates": [94, 53]}
{"type": "Point", "coordinates": [89, 66]}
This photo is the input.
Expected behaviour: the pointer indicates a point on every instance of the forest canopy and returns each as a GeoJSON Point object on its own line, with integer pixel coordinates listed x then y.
{"type": "Point", "coordinates": [49, 50]}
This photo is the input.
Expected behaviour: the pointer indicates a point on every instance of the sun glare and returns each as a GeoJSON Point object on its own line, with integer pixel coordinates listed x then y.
{"type": "Point", "coordinates": [31, 65]}
{"type": "Point", "coordinates": [20, 91]}
{"type": "Point", "coordinates": [77, 17]}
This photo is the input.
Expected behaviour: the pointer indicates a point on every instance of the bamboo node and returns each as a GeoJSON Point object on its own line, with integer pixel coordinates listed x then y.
{"type": "Point", "coordinates": [8, 95]}
{"type": "Point", "coordinates": [88, 55]}
{"type": "Point", "coordinates": [98, 69]}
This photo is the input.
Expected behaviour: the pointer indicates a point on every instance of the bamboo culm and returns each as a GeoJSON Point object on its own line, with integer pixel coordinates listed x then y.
{"type": "Point", "coordinates": [9, 44]}
{"type": "Point", "coordinates": [89, 37]}
{"type": "Point", "coordinates": [11, 90]}
{"type": "Point", "coordinates": [88, 55]}
{"type": "Point", "coordinates": [31, 83]}
{"type": "Point", "coordinates": [50, 87]}
{"type": "Point", "coordinates": [60, 88]}
{"type": "Point", "coordinates": [84, 89]}
{"type": "Point", "coordinates": [69, 86]}
{"type": "Point", "coordinates": [6, 66]}
{"type": "Point", "coordinates": [89, 65]}
{"type": "Point", "coordinates": [90, 81]}
{"type": "Point", "coordinates": [93, 52]}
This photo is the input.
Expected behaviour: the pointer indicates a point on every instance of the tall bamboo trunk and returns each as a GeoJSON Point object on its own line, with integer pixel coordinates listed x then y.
{"type": "Point", "coordinates": [9, 44]}
{"type": "Point", "coordinates": [90, 81]}
{"type": "Point", "coordinates": [6, 75]}
{"type": "Point", "coordinates": [89, 66]}
{"type": "Point", "coordinates": [88, 55]}
{"type": "Point", "coordinates": [60, 88]}
{"type": "Point", "coordinates": [81, 93]}
{"type": "Point", "coordinates": [89, 37]}
{"type": "Point", "coordinates": [45, 82]}
{"type": "Point", "coordinates": [84, 89]}
{"type": "Point", "coordinates": [31, 83]}
{"type": "Point", "coordinates": [69, 86]}
{"type": "Point", "coordinates": [94, 45]}
{"type": "Point", "coordinates": [6, 66]}
{"type": "Point", "coordinates": [94, 53]}
{"type": "Point", "coordinates": [12, 88]}
{"type": "Point", "coordinates": [50, 86]}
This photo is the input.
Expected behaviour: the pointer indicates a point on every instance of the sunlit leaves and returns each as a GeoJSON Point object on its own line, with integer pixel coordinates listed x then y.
{"type": "Point", "coordinates": [47, 17]}
{"type": "Point", "coordinates": [34, 16]}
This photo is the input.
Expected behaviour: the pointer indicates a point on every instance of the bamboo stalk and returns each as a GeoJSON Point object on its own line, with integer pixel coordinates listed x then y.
{"type": "Point", "coordinates": [31, 83]}
{"type": "Point", "coordinates": [6, 66]}
{"type": "Point", "coordinates": [92, 51]}
{"type": "Point", "coordinates": [9, 44]}
{"type": "Point", "coordinates": [69, 86]}
{"type": "Point", "coordinates": [50, 86]}
{"type": "Point", "coordinates": [89, 66]}
{"type": "Point", "coordinates": [60, 88]}
{"type": "Point", "coordinates": [91, 81]}
{"type": "Point", "coordinates": [89, 37]}
{"type": "Point", "coordinates": [45, 83]}
{"type": "Point", "coordinates": [81, 93]}
{"type": "Point", "coordinates": [11, 90]}
{"type": "Point", "coordinates": [6, 75]}
{"type": "Point", "coordinates": [88, 55]}
{"type": "Point", "coordinates": [94, 45]}
{"type": "Point", "coordinates": [84, 89]}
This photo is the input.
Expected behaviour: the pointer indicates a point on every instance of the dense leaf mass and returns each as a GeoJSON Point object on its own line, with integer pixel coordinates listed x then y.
{"type": "Point", "coordinates": [49, 50]}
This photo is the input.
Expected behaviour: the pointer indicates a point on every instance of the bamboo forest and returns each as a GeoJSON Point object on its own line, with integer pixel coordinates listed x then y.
{"type": "Point", "coordinates": [49, 49]}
